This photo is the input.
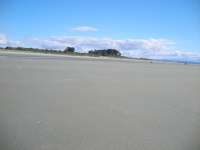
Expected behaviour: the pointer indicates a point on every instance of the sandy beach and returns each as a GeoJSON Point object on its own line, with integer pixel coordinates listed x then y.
{"type": "Point", "coordinates": [82, 103]}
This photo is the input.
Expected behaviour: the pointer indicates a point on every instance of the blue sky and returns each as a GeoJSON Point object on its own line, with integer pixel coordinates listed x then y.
{"type": "Point", "coordinates": [159, 29]}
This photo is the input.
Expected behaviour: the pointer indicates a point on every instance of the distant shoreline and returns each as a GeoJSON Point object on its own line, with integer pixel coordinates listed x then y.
{"type": "Point", "coordinates": [179, 61]}
{"type": "Point", "coordinates": [71, 55]}
{"type": "Point", "coordinates": [97, 57]}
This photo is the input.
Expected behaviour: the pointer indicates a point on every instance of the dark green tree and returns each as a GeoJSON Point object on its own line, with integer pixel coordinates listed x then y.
{"type": "Point", "coordinates": [9, 48]}
{"type": "Point", "coordinates": [108, 52]}
{"type": "Point", "coordinates": [69, 49]}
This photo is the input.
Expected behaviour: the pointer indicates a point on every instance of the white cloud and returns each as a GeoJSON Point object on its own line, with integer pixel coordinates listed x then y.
{"type": "Point", "coordinates": [4, 41]}
{"type": "Point", "coordinates": [142, 48]}
{"type": "Point", "coordinates": [88, 43]}
{"type": "Point", "coordinates": [47, 44]}
{"type": "Point", "coordinates": [83, 29]}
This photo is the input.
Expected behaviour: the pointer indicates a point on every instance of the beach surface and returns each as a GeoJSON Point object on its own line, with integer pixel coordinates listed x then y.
{"type": "Point", "coordinates": [52, 102]}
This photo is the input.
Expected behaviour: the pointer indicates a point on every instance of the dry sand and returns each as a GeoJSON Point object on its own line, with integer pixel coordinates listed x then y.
{"type": "Point", "coordinates": [81, 103]}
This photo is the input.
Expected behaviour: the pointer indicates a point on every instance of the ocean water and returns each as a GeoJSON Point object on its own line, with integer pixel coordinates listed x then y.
{"type": "Point", "coordinates": [179, 61]}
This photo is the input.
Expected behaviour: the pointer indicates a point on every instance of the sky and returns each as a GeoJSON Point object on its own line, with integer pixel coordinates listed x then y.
{"type": "Point", "coordinates": [156, 29]}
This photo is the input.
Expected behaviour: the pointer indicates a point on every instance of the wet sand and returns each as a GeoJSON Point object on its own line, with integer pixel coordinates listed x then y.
{"type": "Point", "coordinates": [82, 103]}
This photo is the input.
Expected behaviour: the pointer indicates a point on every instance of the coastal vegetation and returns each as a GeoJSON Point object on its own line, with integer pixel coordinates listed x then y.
{"type": "Point", "coordinates": [69, 51]}
{"type": "Point", "coordinates": [108, 52]}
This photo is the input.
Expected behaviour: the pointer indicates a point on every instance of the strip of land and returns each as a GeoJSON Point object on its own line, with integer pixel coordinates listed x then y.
{"type": "Point", "coordinates": [81, 103]}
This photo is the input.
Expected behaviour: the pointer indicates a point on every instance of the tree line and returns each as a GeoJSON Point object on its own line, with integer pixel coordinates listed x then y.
{"type": "Point", "coordinates": [105, 52]}
{"type": "Point", "coordinates": [68, 50]}
{"type": "Point", "coordinates": [39, 50]}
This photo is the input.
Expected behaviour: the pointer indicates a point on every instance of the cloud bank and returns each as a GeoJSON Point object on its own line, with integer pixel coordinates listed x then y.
{"type": "Point", "coordinates": [88, 43]}
{"type": "Point", "coordinates": [136, 48]}
{"type": "Point", "coordinates": [4, 41]}
{"type": "Point", "coordinates": [142, 48]}
{"type": "Point", "coordinates": [84, 29]}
